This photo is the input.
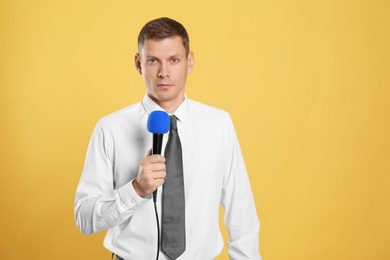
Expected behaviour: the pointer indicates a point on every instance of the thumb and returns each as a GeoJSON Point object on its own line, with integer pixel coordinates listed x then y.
{"type": "Point", "coordinates": [149, 153]}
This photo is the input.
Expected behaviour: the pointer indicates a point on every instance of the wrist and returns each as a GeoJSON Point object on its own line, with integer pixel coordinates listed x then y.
{"type": "Point", "coordinates": [136, 187]}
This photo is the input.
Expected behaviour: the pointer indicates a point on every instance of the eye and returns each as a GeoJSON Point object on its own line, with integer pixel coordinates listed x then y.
{"type": "Point", "coordinates": [151, 61]}
{"type": "Point", "coordinates": [175, 60]}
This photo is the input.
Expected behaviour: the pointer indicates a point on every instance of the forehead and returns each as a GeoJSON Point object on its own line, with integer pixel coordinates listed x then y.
{"type": "Point", "coordinates": [166, 47]}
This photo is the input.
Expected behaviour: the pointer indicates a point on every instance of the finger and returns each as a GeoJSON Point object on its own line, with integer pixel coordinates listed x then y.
{"type": "Point", "coordinates": [149, 153]}
{"type": "Point", "coordinates": [150, 168]}
{"type": "Point", "coordinates": [156, 167]}
{"type": "Point", "coordinates": [159, 182]}
{"type": "Point", "coordinates": [160, 175]}
{"type": "Point", "coordinates": [155, 158]}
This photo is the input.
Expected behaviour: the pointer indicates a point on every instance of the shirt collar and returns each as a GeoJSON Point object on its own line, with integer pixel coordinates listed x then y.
{"type": "Point", "coordinates": [181, 112]}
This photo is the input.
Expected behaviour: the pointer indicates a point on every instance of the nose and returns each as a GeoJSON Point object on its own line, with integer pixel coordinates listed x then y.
{"type": "Point", "coordinates": [163, 72]}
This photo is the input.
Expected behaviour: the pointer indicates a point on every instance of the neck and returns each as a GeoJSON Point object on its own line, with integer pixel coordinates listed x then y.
{"type": "Point", "coordinates": [169, 106]}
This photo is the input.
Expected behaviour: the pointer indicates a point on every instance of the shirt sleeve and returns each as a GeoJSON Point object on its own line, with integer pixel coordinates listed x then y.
{"type": "Point", "coordinates": [97, 205]}
{"type": "Point", "coordinates": [240, 216]}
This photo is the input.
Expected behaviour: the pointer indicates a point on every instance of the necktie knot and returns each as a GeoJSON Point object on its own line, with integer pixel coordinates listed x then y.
{"type": "Point", "coordinates": [173, 122]}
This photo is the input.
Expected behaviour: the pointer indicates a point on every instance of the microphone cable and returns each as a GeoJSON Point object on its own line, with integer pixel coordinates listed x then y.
{"type": "Point", "coordinates": [158, 223]}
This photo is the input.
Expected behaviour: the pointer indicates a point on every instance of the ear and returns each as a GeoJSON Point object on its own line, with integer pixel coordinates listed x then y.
{"type": "Point", "coordinates": [137, 63]}
{"type": "Point", "coordinates": [191, 62]}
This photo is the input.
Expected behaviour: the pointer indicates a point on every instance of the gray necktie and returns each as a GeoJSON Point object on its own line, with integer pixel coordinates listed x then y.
{"type": "Point", "coordinates": [173, 236]}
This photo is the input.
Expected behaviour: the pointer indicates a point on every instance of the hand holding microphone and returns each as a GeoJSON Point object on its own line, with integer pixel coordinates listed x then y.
{"type": "Point", "coordinates": [151, 174]}
{"type": "Point", "coordinates": [151, 170]}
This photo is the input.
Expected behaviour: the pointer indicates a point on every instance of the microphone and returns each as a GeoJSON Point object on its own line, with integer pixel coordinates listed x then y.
{"type": "Point", "coordinates": [158, 125]}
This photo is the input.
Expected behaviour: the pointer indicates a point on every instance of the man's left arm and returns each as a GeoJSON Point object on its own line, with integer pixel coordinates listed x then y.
{"type": "Point", "coordinates": [240, 216]}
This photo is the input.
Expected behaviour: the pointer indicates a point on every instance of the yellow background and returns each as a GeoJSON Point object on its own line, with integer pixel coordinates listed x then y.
{"type": "Point", "coordinates": [306, 83]}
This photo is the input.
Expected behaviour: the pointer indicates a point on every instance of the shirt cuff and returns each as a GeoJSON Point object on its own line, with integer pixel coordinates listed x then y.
{"type": "Point", "coordinates": [130, 197]}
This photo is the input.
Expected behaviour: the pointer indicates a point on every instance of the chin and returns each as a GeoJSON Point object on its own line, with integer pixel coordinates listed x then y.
{"type": "Point", "coordinates": [162, 97]}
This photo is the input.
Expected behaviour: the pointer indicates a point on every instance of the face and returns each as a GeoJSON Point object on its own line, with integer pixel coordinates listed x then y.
{"type": "Point", "coordinates": [164, 66]}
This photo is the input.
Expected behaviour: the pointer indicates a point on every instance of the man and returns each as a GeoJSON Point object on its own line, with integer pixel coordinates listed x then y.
{"type": "Point", "coordinates": [115, 188]}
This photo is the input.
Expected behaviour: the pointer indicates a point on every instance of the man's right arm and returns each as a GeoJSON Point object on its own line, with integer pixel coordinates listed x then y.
{"type": "Point", "coordinates": [97, 205]}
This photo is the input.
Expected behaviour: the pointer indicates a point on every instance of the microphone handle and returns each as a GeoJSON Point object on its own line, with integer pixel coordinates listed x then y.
{"type": "Point", "coordinates": [157, 143]}
{"type": "Point", "coordinates": [157, 146]}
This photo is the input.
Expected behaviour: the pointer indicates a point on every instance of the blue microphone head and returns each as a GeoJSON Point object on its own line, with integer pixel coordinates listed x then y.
{"type": "Point", "coordinates": [158, 122]}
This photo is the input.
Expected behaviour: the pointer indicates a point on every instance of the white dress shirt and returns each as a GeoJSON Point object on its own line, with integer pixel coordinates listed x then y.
{"type": "Point", "coordinates": [214, 173]}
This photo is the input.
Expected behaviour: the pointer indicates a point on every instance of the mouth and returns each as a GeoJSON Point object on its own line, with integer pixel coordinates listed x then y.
{"type": "Point", "coordinates": [164, 85]}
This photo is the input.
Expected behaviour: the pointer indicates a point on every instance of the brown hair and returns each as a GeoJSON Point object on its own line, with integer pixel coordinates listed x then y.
{"type": "Point", "coordinates": [162, 28]}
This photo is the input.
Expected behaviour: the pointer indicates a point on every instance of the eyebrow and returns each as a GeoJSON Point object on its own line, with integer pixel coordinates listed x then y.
{"type": "Point", "coordinates": [170, 57]}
